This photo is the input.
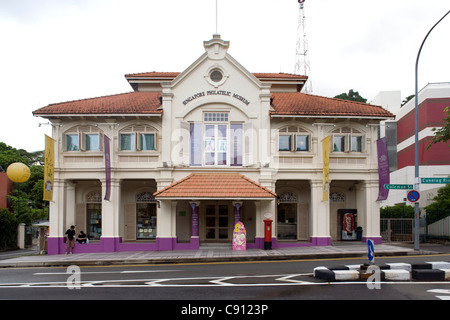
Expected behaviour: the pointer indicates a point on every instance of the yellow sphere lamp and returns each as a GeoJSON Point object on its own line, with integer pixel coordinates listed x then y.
{"type": "Point", "coordinates": [18, 172]}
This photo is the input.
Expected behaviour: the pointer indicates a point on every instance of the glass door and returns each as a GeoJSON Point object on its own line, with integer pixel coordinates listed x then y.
{"type": "Point", "coordinates": [287, 221]}
{"type": "Point", "coordinates": [216, 222]}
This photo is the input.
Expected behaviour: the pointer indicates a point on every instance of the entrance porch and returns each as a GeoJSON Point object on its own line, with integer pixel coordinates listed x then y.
{"type": "Point", "coordinates": [203, 208]}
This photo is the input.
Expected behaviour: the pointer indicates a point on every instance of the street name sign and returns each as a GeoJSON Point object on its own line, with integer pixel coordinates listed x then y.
{"type": "Point", "coordinates": [435, 180]}
{"type": "Point", "coordinates": [399, 186]}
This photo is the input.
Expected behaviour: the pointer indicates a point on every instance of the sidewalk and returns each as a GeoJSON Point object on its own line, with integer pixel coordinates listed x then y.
{"type": "Point", "coordinates": [338, 250]}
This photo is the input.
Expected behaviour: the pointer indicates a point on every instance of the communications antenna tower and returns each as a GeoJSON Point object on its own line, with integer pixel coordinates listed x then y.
{"type": "Point", "coordinates": [302, 60]}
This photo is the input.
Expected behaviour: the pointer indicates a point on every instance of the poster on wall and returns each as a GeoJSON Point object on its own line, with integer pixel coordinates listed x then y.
{"type": "Point", "coordinates": [239, 237]}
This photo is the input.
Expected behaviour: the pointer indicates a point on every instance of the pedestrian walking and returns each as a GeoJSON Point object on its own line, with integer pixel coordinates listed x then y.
{"type": "Point", "coordinates": [70, 239]}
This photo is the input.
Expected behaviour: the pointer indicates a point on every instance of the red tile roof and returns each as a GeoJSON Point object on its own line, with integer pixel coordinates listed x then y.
{"type": "Point", "coordinates": [301, 104]}
{"type": "Point", "coordinates": [215, 185]}
{"type": "Point", "coordinates": [283, 104]}
{"type": "Point", "coordinates": [125, 103]}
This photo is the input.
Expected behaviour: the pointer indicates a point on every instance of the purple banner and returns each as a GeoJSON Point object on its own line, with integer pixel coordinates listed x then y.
{"type": "Point", "coordinates": [383, 169]}
{"type": "Point", "coordinates": [195, 217]}
{"type": "Point", "coordinates": [107, 167]}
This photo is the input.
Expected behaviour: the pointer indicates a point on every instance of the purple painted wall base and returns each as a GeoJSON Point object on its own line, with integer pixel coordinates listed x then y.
{"type": "Point", "coordinates": [376, 240]}
{"type": "Point", "coordinates": [57, 245]}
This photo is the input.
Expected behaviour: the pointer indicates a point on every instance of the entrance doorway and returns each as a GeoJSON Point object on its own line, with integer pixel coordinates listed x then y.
{"type": "Point", "coordinates": [217, 222]}
{"type": "Point", "coordinates": [287, 221]}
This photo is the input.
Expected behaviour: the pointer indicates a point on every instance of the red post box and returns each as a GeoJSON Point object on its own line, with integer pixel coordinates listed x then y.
{"type": "Point", "coordinates": [267, 234]}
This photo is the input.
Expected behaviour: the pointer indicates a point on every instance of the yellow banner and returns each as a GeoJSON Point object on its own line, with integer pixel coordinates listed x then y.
{"type": "Point", "coordinates": [326, 168]}
{"type": "Point", "coordinates": [49, 168]}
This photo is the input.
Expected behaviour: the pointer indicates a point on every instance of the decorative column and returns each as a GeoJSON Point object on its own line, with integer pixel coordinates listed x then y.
{"type": "Point", "coordinates": [110, 238]}
{"type": "Point", "coordinates": [368, 210]}
{"type": "Point", "coordinates": [237, 212]}
{"type": "Point", "coordinates": [320, 215]}
{"type": "Point", "coordinates": [57, 218]}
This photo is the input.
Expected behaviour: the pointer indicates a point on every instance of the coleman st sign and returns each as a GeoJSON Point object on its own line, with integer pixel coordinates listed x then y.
{"type": "Point", "coordinates": [399, 186]}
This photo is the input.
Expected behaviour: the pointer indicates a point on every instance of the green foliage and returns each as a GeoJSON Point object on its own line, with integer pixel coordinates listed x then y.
{"type": "Point", "coordinates": [397, 211]}
{"type": "Point", "coordinates": [8, 229]}
{"type": "Point", "coordinates": [440, 208]}
{"type": "Point", "coordinates": [405, 101]}
{"type": "Point", "coordinates": [442, 134]}
{"type": "Point", "coordinates": [10, 155]}
{"type": "Point", "coordinates": [352, 96]}
{"type": "Point", "coordinates": [26, 199]}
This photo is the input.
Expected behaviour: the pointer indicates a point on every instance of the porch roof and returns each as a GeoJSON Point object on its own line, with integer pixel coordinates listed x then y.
{"type": "Point", "coordinates": [215, 186]}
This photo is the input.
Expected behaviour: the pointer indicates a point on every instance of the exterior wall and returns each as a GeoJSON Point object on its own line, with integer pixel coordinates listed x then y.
{"type": "Point", "coordinates": [6, 187]}
{"type": "Point", "coordinates": [247, 102]}
{"type": "Point", "coordinates": [434, 162]}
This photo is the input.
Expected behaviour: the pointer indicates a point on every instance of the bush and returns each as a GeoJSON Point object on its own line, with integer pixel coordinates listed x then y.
{"type": "Point", "coordinates": [8, 229]}
{"type": "Point", "coordinates": [397, 211]}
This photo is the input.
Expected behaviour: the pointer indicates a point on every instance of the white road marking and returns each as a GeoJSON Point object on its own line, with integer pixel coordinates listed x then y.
{"type": "Point", "coordinates": [213, 281]}
{"type": "Point", "coordinates": [441, 291]}
{"type": "Point", "coordinates": [105, 272]}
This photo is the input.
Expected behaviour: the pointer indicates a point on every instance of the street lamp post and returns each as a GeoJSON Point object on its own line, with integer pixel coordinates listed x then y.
{"type": "Point", "coordinates": [416, 144]}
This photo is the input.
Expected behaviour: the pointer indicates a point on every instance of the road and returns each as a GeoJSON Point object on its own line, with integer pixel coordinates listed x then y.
{"type": "Point", "coordinates": [221, 283]}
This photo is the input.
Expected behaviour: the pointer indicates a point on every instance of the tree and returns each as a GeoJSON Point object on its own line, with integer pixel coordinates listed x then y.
{"type": "Point", "coordinates": [26, 196]}
{"type": "Point", "coordinates": [8, 229]}
{"type": "Point", "coordinates": [440, 208]}
{"type": "Point", "coordinates": [442, 134]}
{"type": "Point", "coordinates": [352, 96]}
{"type": "Point", "coordinates": [407, 99]}
{"type": "Point", "coordinates": [10, 155]}
{"type": "Point", "coordinates": [397, 211]}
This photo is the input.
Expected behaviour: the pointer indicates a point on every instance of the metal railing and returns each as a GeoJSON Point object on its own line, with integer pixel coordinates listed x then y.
{"type": "Point", "coordinates": [397, 230]}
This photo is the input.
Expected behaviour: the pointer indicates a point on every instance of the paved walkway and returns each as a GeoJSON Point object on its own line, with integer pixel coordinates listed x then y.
{"type": "Point", "coordinates": [28, 258]}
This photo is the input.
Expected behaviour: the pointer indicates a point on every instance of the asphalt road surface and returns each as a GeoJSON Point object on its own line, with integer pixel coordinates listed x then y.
{"type": "Point", "coordinates": [256, 287]}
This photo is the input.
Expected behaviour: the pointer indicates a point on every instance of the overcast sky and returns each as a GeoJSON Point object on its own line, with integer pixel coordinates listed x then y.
{"type": "Point", "coordinates": [61, 50]}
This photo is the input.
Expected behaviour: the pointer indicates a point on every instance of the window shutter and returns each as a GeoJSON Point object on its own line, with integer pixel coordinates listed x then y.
{"type": "Point", "coordinates": [196, 143]}
{"type": "Point", "coordinates": [248, 144]}
{"type": "Point", "coordinates": [183, 145]}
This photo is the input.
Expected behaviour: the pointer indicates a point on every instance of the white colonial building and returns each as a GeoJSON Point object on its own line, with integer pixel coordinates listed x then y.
{"type": "Point", "coordinates": [192, 153]}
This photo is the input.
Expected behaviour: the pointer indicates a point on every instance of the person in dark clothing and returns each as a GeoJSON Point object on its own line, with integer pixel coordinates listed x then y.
{"type": "Point", "coordinates": [70, 239]}
{"type": "Point", "coordinates": [82, 237]}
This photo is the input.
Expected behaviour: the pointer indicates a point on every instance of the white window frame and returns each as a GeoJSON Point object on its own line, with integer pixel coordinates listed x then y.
{"type": "Point", "coordinates": [294, 132]}
{"type": "Point", "coordinates": [348, 134]}
{"type": "Point", "coordinates": [219, 119]}
{"type": "Point", "coordinates": [82, 132]}
{"type": "Point", "coordinates": [136, 131]}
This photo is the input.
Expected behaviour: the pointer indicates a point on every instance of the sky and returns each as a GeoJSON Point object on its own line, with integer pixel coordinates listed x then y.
{"type": "Point", "coordinates": [61, 50]}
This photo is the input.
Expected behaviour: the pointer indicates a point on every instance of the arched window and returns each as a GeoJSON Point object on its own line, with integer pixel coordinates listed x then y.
{"type": "Point", "coordinates": [83, 138]}
{"type": "Point", "coordinates": [294, 139]}
{"type": "Point", "coordinates": [337, 197]}
{"type": "Point", "coordinates": [145, 197]}
{"type": "Point", "coordinates": [347, 139]}
{"type": "Point", "coordinates": [138, 138]}
{"type": "Point", "coordinates": [94, 197]}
